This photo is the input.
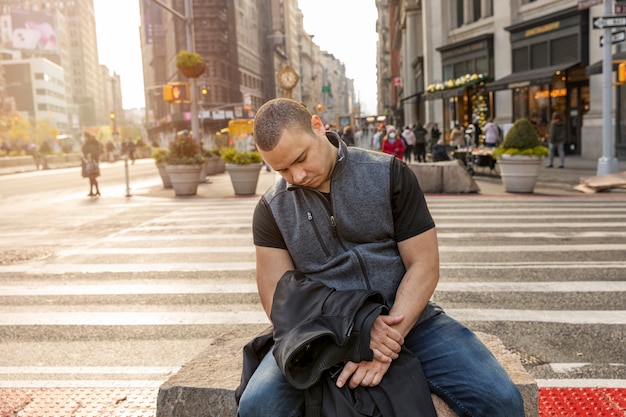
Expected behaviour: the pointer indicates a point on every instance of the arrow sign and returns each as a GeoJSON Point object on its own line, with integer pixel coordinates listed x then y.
{"type": "Point", "coordinates": [616, 37]}
{"type": "Point", "coordinates": [606, 22]}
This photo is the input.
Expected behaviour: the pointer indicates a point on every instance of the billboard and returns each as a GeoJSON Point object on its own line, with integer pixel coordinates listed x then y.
{"type": "Point", "coordinates": [33, 30]}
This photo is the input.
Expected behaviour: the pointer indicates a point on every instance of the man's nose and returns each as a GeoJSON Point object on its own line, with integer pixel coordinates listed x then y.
{"type": "Point", "coordinates": [299, 176]}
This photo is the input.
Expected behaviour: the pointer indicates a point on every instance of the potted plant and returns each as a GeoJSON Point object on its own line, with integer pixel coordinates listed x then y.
{"type": "Point", "coordinates": [184, 163]}
{"type": "Point", "coordinates": [212, 157]}
{"type": "Point", "coordinates": [244, 168]}
{"type": "Point", "coordinates": [160, 156]}
{"type": "Point", "coordinates": [519, 157]}
{"type": "Point", "coordinates": [190, 64]}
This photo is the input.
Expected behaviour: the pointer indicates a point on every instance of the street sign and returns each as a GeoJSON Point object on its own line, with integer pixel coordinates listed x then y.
{"type": "Point", "coordinates": [606, 22]}
{"type": "Point", "coordinates": [616, 37]}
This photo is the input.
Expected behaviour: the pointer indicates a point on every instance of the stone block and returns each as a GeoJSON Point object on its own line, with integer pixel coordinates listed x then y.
{"type": "Point", "coordinates": [446, 177]}
{"type": "Point", "coordinates": [204, 387]}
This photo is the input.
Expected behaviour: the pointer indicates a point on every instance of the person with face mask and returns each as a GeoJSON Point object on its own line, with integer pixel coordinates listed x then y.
{"type": "Point", "coordinates": [392, 144]}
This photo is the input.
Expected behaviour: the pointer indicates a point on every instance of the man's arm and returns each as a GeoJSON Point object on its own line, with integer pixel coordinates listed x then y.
{"type": "Point", "coordinates": [420, 255]}
{"type": "Point", "coordinates": [271, 264]}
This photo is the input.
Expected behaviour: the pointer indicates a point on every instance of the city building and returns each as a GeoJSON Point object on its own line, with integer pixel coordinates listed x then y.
{"type": "Point", "coordinates": [503, 60]}
{"type": "Point", "coordinates": [253, 51]}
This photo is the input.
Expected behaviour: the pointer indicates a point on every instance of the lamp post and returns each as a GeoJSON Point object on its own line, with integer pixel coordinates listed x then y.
{"type": "Point", "coordinates": [193, 93]}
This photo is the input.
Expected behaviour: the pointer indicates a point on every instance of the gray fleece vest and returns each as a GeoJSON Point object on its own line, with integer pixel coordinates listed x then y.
{"type": "Point", "coordinates": [347, 243]}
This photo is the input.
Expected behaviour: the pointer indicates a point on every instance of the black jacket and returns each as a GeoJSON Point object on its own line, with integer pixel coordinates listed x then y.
{"type": "Point", "coordinates": [316, 330]}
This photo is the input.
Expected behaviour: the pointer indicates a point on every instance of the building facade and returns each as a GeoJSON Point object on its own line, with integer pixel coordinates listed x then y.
{"type": "Point", "coordinates": [503, 60]}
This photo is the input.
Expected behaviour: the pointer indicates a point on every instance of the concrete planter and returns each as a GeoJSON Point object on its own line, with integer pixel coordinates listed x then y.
{"type": "Point", "coordinates": [165, 176]}
{"type": "Point", "coordinates": [519, 173]}
{"type": "Point", "coordinates": [185, 178]}
{"type": "Point", "coordinates": [211, 165]}
{"type": "Point", "coordinates": [244, 178]}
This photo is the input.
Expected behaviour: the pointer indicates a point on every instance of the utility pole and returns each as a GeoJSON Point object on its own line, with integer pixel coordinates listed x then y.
{"type": "Point", "coordinates": [193, 86]}
{"type": "Point", "coordinates": [607, 164]}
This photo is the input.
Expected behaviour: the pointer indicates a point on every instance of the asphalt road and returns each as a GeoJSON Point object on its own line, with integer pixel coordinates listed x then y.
{"type": "Point", "coordinates": [124, 290]}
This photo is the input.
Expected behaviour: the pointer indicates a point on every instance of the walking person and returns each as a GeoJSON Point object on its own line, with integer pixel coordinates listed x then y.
{"type": "Point", "coordinates": [492, 134]}
{"type": "Point", "coordinates": [396, 254]}
{"type": "Point", "coordinates": [420, 142]}
{"type": "Point", "coordinates": [409, 139]}
{"type": "Point", "coordinates": [92, 149]}
{"type": "Point", "coordinates": [557, 138]}
{"type": "Point", "coordinates": [435, 134]}
{"type": "Point", "coordinates": [129, 149]}
{"type": "Point", "coordinates": [392, 144]}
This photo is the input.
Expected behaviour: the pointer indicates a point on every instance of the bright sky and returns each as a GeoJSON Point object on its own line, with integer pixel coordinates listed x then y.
{"type": "Point", "coordinates": [345, 28]}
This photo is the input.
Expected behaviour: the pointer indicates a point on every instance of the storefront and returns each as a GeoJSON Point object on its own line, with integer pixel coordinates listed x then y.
{"type": "Point", "coordinates": [467, 66]}
{"type": "Point", "coordinates": [549, 72]}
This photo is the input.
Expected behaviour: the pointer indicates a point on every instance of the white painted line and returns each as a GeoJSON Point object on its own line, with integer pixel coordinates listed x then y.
{"type": "Point", "coordinates": [189, 287]}
{"type": "Point", "coordinates": [534, 216]}
{"type": "Point", "coordinates": [87, 318]}
{"type": "Point", "coordinates": [581, 383]}
{"type": "Point", "coordinates": [527, 225]}
{"type": "Point", "coordinates": [97, 383]}
{"type": "Point", "coordinates": [562, 368]}
{"type": "Point", "coordinates": [530, 235]}
{"type": "Point", "coordinates": [166, 238]}
{"type": "Point", "coordinates": [250, 249]}
{"type": "Point", "coordinates": [47, 268]}
{"type": "Point", "coordinates": [541, 316]}
{"type": "Point", "coordinates": [102, 370]}
{"type": "Point", "coordinates": [40, 268]}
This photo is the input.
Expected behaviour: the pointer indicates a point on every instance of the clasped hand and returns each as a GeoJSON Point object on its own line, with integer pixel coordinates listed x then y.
{"type": "Point", "coordinates": [385, 342]}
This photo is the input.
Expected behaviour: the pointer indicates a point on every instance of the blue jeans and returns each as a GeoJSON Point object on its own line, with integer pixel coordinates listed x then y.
{"type": "Point", "coordinates": [459, 368]}
{"type": "Point", "coordinates": [560, 147]}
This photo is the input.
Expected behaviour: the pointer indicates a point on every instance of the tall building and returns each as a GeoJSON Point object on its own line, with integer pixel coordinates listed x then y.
{"type": "Point", "coordinates": [63, 32]}
{"type": "Point", "coordinates": [245, 44]}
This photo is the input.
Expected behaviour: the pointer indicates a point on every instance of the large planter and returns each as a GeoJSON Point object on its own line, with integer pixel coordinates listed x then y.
{"type": "Point", "coordinates": [211, 165]}
{"type": "Point", "coordinates": [519, 173]}
{"type": "Point", "coordinates": [244, 178]}
{"type": "Point", "coordinates": [185, 178]}
{"type": "Point", "coordinates": [192, 72]}
{"type": "Point", "coordinates": [165, 177]}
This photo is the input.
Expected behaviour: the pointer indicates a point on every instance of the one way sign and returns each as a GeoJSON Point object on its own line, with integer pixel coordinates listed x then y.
{"type": "Point", "coordinates": [616, 37]}
{"type": "Point", "coordinates": [606, 22]}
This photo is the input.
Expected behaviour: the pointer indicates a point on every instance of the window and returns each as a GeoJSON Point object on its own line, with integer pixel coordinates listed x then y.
{"type": "Point", "coordinates": [460, 13]}
{"type": "Point", "coordinates": [476, 9]}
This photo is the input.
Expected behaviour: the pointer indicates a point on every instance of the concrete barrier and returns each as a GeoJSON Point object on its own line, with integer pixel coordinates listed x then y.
{"type": "Point", "coordinates": [15, 164]}
{"type": "Point", "coordinates": [204, 387]}
{"type": "Point", "coordinates": [446, 177]}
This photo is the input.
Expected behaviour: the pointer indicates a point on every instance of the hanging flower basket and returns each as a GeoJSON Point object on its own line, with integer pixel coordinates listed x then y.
{"type": "Point", "coordinates": [192, 72]}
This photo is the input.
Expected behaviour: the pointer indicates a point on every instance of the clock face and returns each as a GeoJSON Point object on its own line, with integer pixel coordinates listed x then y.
{"type": "Point", "coordinates": [287, 78]}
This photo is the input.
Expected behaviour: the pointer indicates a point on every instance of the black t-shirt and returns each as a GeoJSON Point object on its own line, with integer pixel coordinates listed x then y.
{"type": "Point", "coordinates": [410, 212]}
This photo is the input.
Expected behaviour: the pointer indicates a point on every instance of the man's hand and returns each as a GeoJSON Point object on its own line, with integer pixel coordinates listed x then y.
{"type": "Point", "coordinates": [367, 374]}
{"type": "Point", "coordinates": [385, 341]}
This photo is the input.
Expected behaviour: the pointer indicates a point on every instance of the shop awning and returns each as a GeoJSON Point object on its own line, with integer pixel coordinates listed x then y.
{"type": "Point", "coordinates": [526, 78]}
{"type": "Point", "coordinates": [450, 92]}
{"type": "Point", "coordinates": [596, 68]}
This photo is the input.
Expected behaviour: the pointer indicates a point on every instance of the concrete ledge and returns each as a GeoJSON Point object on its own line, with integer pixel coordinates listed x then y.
{"type": "Point", "coordinates": [446, 177]}
{"type": "Point", "coordinates": [205, 386]}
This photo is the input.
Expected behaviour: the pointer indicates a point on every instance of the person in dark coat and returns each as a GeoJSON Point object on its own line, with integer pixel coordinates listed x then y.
{"type": "Point", "coordinates": [557, 138]}
{"type": "Point", "coordinates": [92, 149]}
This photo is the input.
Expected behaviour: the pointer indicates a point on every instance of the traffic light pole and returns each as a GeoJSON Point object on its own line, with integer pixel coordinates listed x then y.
{"type": "Point", "coordinates": [193, 93]}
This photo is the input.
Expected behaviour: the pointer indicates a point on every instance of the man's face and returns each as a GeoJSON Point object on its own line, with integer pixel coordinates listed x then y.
{"type": "Point", "coordinates": [303, 159]}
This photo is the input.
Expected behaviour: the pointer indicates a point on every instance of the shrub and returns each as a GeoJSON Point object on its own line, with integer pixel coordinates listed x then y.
{"type": "Point", "coordinates": [184, 150]}
{"type": "Point", "coordinates": [186, 59]}
{"type": "Point", "coordinates": [521, 139]}
{"type": "Point", "coordinates": [233, 156]}
{"type": "Point", "coordinates": [160, 155]}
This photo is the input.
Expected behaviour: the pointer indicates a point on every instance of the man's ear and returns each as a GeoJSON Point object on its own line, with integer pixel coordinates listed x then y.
{"type": "Point", "coordinates": [317, 126]}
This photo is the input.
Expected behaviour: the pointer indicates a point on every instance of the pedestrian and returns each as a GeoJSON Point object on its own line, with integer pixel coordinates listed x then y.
{"type": "Point", "coordinates": [392, 143]}
{"type": "Point", "coordinates": [380, 237]}
{"type": "Point", "coordinates": [348, 135]}
{"type": "Point", "coordinates": [110, 147]}
{"type": "Point", "coordinates": [556, 139]}
{"type": "Point", "coordinates": [409, 139]}
{"type": "Point", "coordinates": [377, 139]}
{"type": "Point", "coordinates": [457, 136]}
{"type": "Point", "coordinates": [92, 149]}
{"type": "Point", "coordinates": [440, 152]}
{"type": "Point", "coordinates": [492, 134]}
{"type": "Point", "coordinates": [129, 148]}
{"type": "Point", "coordinates": [420, 142]}
{"type": "Point", "coordinates": [435, 134]}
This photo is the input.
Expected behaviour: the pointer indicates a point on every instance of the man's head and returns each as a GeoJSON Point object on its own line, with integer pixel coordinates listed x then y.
{"type": "Point", "coordinates": [293, 142]}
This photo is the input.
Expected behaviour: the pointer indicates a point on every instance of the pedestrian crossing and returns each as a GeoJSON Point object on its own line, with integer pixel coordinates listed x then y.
{"type": "Point", "coordinates": [547, 275]}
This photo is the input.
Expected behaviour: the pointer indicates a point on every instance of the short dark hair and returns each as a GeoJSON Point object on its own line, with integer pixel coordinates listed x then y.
{"type": "Point", "coordinates": [274, 117]}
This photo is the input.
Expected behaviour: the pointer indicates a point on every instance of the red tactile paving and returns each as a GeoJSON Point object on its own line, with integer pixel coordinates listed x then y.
{"type": "Point", "coordinates": [579, 402]}
{"type": "Point", "coordinates": [141, 402]}
{"type": "Point", "coordinates": [78, 402]}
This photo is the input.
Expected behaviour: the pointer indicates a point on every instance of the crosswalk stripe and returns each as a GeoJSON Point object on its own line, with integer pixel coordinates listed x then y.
{"type": "Point", "coordinates": [164, 318]}
{"type": "Point", "coordinates": [189, 287]}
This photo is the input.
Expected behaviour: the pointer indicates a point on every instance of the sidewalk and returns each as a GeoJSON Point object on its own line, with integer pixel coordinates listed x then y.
{"type": "Point", "coordinates": [551, 180]}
